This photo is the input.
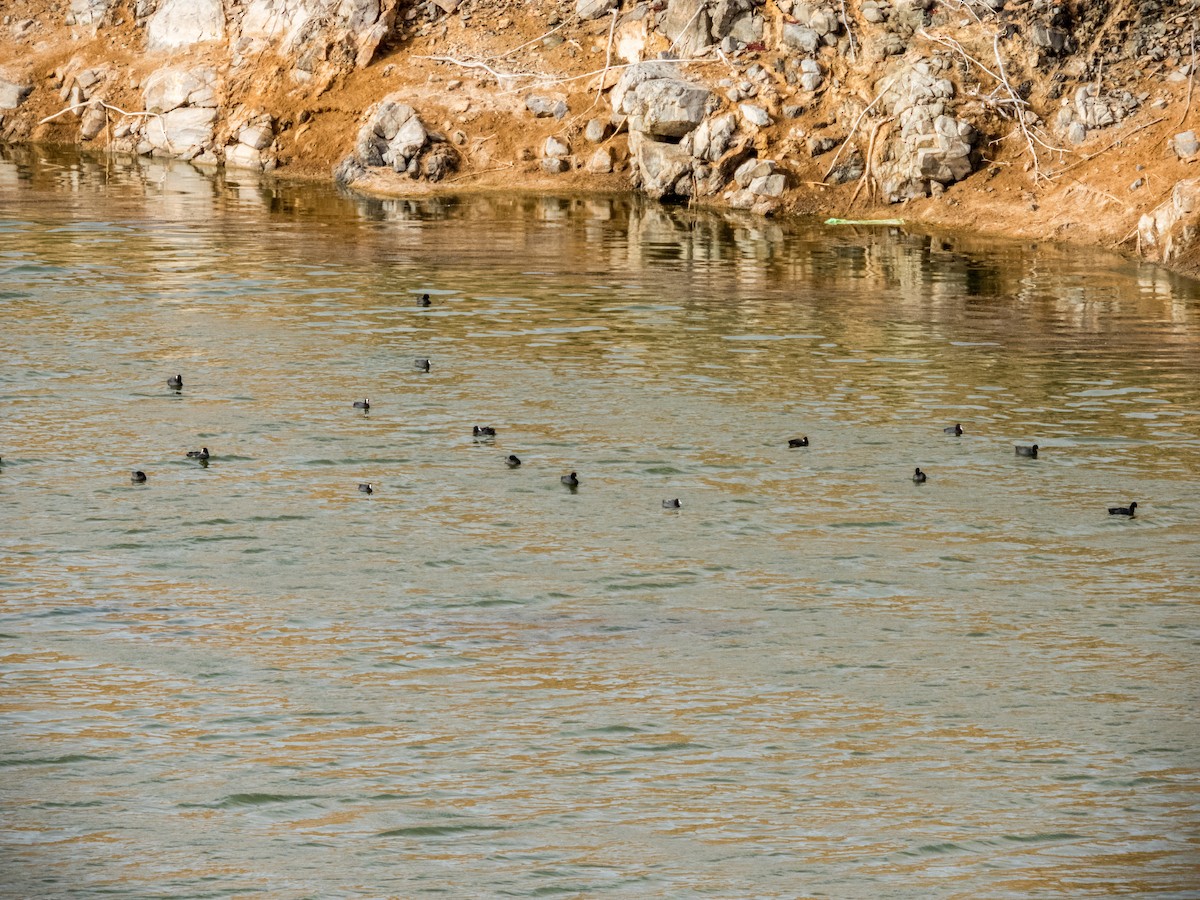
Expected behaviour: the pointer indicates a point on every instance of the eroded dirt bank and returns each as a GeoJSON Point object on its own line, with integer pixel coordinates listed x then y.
{"type": "Point", "coordinates": [1072, 120]}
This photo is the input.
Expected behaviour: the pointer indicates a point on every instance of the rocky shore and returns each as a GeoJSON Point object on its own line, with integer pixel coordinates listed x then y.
{"type": "Point", "coordinates": [1070, 120]}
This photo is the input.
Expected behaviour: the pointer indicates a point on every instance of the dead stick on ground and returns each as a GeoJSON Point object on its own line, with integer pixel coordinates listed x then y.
{"type": "Point", "coordinates": [854, 127]}
{"type": "Point", "coordinates": [849, 33]}
{"type": "Point", "coordinates": [1191, 77]}
{"type": "Point", "coordinates": [76, 106]}
{"type": "Point", "coordinates": [607, 56]}
{"type": "Point", "coordinates": [541, 37]}
{"type": "Point", "coordinates": [1092, 156]}
{"type": "Point", "coordinates": [867, 164]}
{"type": "Point", "coordinates": [477, 64]}
{"type": "Point", "coordinates": [1037, 171]}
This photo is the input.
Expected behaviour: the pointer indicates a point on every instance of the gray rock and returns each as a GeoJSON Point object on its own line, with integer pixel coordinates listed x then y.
{"type": "Point", "coordinates": [545, 107]}
{"type": "Point", "coordinates": [554, 165]}
{"type": "Point", "coordinates": [660, 106]}
{"type": "Point", "coordinates": [811, 81]}
{"type": "Point", "coordinates": [801, 38]}
{"type": "Point", "coordinates": [755, 115]}
{"type": "Point", "coordinates": [657, 166]}
{"type": "Point", "coordinates": [1054, 40]}
{"type": "Point", "coordinates": [821, 145]}
{"type": "Point", "coordinates": [13, 94]}
{"type": "Point", "coordinates": [824, 21]}
{"type": "Point", "coordinates": [891, 45]}
{"type": "Point", "coordinates": [601, 162]}
{"type": "Point", "coordinates": [711, 140]}
{"type": "Point", "coordinates": [593, 9]}
{"type": "Point", "coordinates": [723, 16]}
{"type": "Point", "coordinates": [596, 130]}
{"type": "Point", "coordinates": [1185, 144]}
{"type": "Point", "coordinates": [181, 23]}
{"type": "Point", "coordinates": [439, 162]}
{"type": "Point", "coordinates": [768, 185]}
{"type": "Point", "coordinates": [94, 118]}
{"type": "Point", "coordinates": [747, 28]}
{"type": "Point", "coordinates": [793, 111]}
{"type": "Point", "coordinates": [687, 25]}
{"type": "Point", "coordinates": [850, 170]}
{"type": "Point", "coordinates": [555, 148]}
{"type": "Point", "coordinates": [390, 117]}
{"type": "Point", "coordinates": [872, 12]}
{"type": "Point", "coordinates": [406, 145]}
{"type": "Point", "coordinates": [1077, 133]}
{"type": "Point", "coordinates": [753, 170]}
{"type": "Point", "coordinates": [184, 133]}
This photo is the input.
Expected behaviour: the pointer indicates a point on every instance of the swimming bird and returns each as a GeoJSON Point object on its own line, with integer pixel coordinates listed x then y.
{"type": "Point", "coordinates": [175, 382]}
{"type": "Point", "coordinates": [485, 431]}
{"type": "Point", "coordinates": [198, 454]}
{"type": "Point", "coordinates": [798, 442]}
{"type": "Point", "coordinates": [672, 504]}
{"type": "Point", "coordinates": [954, 429]}
{"type": "Point", "coordinates": [1027, 451]}
{"type": "Point", "coordinates": [512, 462]}
{"type": "Point", "coordinates": [919, 476]}
{"type": "Point", "coordinates": [138, 476]}
{"type": "Point", "coordinates": [422, 364]}
{"type": "Point", "coordinates": [1123, 510]}
{"type": "Point", "coordinates": [571, 481]}
{"type": "Point", "coordinates": [424, 300]}
{"type": "Point", "coordinates": [362, 404]}
{"type": "Point", "coordinates": [366, 488]}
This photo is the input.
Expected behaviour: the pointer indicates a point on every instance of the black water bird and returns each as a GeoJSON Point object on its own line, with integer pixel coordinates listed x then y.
{"type": "Point", "coordinates": [1123, 510]}
{"type": "Point", "coordinates": [175, 382]}
{"type": "Point", "coordinates": [484, 431]}
{"type": "Point", "coordinates": [954, 429]}
{"type": "Point", "coordinates": [1031, 452]}
{"type": "Point", "coordinates": [798, 442]}
{"type": "Point", "coordinates": [919, 476]}
{"type": "Point", "coordinates": [424, 300]}
{"type": "Point", "coordinates": [198, 454]}
{"type": "Point", "coordinates": [138, 476]}
{"type": "Point", "coordinates": [512, 462]}
{"type": "Point", "coordinates": [366, 488]}
{"type": "Point", "coordinates": [571, 481]}
{"type": "Point", "coordinates": [422, 364]}
{"type": "Point", "coordinates": [362, 404]}
{"type": "Point", "coordinates": [672, 504]}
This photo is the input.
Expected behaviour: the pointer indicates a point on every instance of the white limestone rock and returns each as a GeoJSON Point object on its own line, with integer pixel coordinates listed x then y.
{"type": "Point", "coordinates": [182, 23]}
{"type": "Point", "coordinates": [185, 133]}
{"type": "Point", "coordinates": [170, 87]}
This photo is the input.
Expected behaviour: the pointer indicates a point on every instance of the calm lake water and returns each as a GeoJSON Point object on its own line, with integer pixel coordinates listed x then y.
{"type": "Point", "coordinates": [815, 679]}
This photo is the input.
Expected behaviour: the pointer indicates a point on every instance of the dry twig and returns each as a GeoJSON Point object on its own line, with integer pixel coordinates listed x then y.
{"type": "Point", "coordinates": [76, 106]}
{"type": "Point", "coordinates": [1191, 77]}
{"type": "Point", "coordinates": [1091, 156]}
{"type": "Point", "coordinates": [854, 127]}
{"type": "Point", "coordinates": [607, 54]}
{"type": "Point", "coordinates": [479, 64]}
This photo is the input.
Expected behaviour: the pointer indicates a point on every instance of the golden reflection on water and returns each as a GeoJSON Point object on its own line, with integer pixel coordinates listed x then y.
{"type": "Point", "coordinates": [814, 679]}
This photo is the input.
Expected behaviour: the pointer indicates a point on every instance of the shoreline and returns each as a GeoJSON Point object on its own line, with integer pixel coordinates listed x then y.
{"type": "Point", "coordinates": [891, 109]}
